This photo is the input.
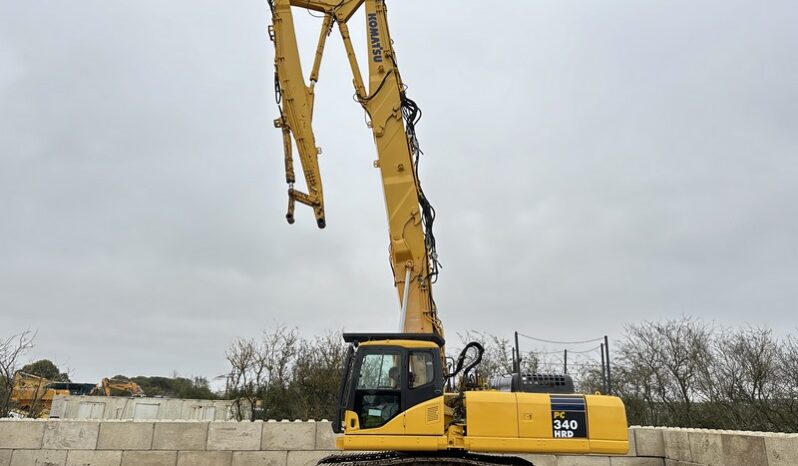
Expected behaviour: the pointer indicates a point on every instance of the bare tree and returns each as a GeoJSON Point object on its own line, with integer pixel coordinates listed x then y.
{"type": "Point", "coordinates": [316, 377]}
{"type": "Point", "coordinates": [787, 376]}
{"type": "Point", "coordinates": [11, 349]}
{"type": "Point", "coordinates": [661, 362]}
{"type": "Point", "coordinates": [678, 372]}
{"type": "Point", "coordinates": [278, 355]}
{"type": "Point", "coordinates": [743, 383]}
{"type": "Point", "coordinates": [497, 358]}
{"type": "Point", "coordinates": [259, 370]}
{"type": "Point", "coordinates": [244, 379]}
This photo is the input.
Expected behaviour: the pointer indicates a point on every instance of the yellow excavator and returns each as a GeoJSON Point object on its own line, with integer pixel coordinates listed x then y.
{"type": "Point", "coordinates": [399, 399]}
{"type": "Point", "coordinates": [112, 387]}
{"type": "Point", "coordinates": [33, 395]}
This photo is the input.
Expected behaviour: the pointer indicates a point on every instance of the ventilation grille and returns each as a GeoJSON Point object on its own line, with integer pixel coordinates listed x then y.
{"type": "Point", "coordinates": [545, 379]}
{"type": "Point", "coordinates": [432, 414]}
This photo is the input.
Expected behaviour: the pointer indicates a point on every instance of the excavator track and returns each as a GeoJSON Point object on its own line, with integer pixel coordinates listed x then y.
{"type": "Point", "coordinates": [423, 458]}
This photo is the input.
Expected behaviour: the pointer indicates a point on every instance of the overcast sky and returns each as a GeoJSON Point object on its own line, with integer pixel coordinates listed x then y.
{"type": "Point", "coordinates": [593, 164]}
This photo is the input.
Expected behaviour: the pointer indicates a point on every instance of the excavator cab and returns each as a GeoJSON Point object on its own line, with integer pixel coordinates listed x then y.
{"type": "Point", "coordinates": [388, 375]}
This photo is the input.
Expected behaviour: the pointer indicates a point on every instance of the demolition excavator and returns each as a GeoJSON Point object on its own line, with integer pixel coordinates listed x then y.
{"type": "Point", "coordinates": [399, 398]}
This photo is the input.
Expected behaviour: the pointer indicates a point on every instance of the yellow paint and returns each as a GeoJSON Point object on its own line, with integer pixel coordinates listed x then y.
{"type": "Point", "coordinates": [426, 418]}
{"type": "Point", "coordinates": [606, 417]}
{"type": "Point", "coordinates": [395, 426]}
{"type": "Point", "coordinates": [409, 344]}
{"type": "Point", "coordinates": [392, 442]}
{"type": "Point", "coordinates": [534, 415]}
{"type": "Point", "coordinates": [491, 414]}
{"type": "Point", "coordinates": [499, 422]}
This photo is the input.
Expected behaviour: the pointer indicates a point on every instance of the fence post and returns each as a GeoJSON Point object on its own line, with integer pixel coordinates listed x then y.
{"type": "Point", "coordinates": [603, 371]}
{"type": "Point", "coordinates": [607, 350]}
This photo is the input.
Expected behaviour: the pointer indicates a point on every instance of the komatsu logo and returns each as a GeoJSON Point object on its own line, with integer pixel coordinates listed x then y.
{"type": "Point", "coordinates": [374, 33]}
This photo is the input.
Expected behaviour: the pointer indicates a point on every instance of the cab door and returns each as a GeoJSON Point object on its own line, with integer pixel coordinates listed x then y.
{"type": "Point", "coordinates": [377, 393]}
{"type": "Point", "coordinates": [422, 393]}
{"type": "Point", "coordinates": [421, 380]}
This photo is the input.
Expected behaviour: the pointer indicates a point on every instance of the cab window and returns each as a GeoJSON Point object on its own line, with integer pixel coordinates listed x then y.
{"type": "Point", "coordinates": [379, 371]}
{"type": "Point", "coordinates": [420, 369]}
{"type": "Point", "coordinates": [378, 389]}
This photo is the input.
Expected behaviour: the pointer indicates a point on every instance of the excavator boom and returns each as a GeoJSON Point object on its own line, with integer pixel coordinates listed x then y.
{"type": "Point", "coordinates": [391, 116]}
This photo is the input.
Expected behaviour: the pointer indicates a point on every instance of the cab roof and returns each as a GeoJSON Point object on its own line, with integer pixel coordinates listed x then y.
{"type": "Point", "coordinates": [406, 344]}
{"type": "Point", "coordinates": [373, 338]}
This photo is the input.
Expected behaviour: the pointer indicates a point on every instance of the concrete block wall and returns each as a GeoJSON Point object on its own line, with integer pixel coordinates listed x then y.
{"type": "Point", "coordinates": [196, 443]}
{"type": "Point", "coordinates": [704, 447]}
{"type": "Point", "coordinates": [120, 407]}
{"type": "Point", "coordinates": [58, 442]}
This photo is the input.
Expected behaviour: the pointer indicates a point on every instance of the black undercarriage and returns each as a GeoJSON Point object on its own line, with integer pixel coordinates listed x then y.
{"type": "Point", "coordinates": [421, 458]}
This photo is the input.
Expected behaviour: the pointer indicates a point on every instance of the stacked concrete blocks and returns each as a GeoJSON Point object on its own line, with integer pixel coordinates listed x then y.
{"type": "Point", "coordinates": [648, 442]}
{"type": "Point", "coordinates": [272, 443]}
{"type": "Point", "coordinates": [740, 449]}
{"type": "Point", "coordinates": [782, 449]}
{"type": "Point", "coordinates": [25, 434]}
{"type": "Point", "coordinates": [125, 435]}
{"type": "Point", "coordinates": [289, 436]}
{"type": "Point", "coordinates": [234, 435]}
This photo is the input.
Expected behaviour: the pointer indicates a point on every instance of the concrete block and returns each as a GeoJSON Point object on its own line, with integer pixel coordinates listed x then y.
{"type": "Point", "coordinates": [325, 437]}
{"type": "Point", "coordinates": [781, 451]}
{"type": "Point", "coordinates": [149, 458]}
{"type": "Point", "coordinates": [538, 460]}
{"type": "Point", "coordinates": [125, 435]}
{"type": "Point", "coordinates": [649, 442]}
{"type": "Point", "coordinates": [683, 463]}
{"type": "Point", "coordinates": [234, 435]}
{"type": "Point", "coordinates": [71, 435]}
{"type": "Point", "coordinates": [260, 458]}
{"type": "Point", "coordinates": [5, 457]}
{"type": "Point", "coordinates": [306, 458]}
{"type": "Point", "coordinates": [677, 445]}
{"type": "Point", "coordinates": [632, 461]}
{"type": "Point", "coordinates": [38, 458]}
{"type": "Point", "coordinates": [706, 448]}
{"type": "Point", "coordinates": [204, 458]}
{"type": "Point", "coordinates": [743, 450]}
{"type": "Point", "coordinates": [180, 436]}
{"type": "Point", "coordinates": [21, 434]}
{"type": "Point", "coordinates": [172, 408]}
{"type": "Point", "coordinates": [582, 460]}
{"type": "Point", "coordinates": [94, 458]}
{"type": "Point", "coordinates": [567, 460]}
{"type": "Point", "coordinates": [631, 437]}
{"type": "Point", "coordinates": [289, 436]}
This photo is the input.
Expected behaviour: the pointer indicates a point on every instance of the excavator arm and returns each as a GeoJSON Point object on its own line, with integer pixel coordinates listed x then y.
{"type": "Point", "coordinates": [391, 116]}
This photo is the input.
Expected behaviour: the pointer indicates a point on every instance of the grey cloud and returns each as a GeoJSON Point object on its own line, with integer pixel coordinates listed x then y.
{"type": "Point", "coordinates": [592, 165]}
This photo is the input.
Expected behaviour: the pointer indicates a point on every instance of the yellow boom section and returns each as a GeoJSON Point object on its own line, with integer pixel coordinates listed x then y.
{"type": "Point", "coordinates": [391, 116]}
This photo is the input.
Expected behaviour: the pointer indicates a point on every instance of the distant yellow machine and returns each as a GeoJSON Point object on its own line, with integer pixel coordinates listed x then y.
{"type": "Point", "coordinates": [109, 387]}
{"type": "Point", "coordinates": [33, 395]}
{"type": "Point", "coordinates": [398, 397]}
